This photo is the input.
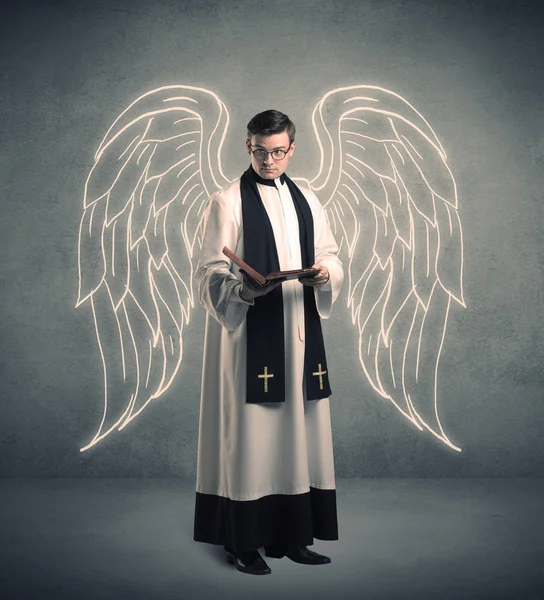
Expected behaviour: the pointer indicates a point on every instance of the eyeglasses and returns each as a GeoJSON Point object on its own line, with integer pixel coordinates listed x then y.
{"type": "Point", "coordinates": [261, 154]}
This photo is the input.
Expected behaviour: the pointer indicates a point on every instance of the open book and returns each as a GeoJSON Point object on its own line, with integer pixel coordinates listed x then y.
{"type": "Point", "coordinates": [264, 279]}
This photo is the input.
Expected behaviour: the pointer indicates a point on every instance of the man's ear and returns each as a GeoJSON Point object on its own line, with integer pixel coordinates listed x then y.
{"type": "Point", "coordinates": [292, 149]}
{"type": "Point", "coordinates": [248, 146]}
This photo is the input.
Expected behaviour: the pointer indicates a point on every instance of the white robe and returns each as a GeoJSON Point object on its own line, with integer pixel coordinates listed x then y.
{"type": "Point", "coordinates": [247, 451]}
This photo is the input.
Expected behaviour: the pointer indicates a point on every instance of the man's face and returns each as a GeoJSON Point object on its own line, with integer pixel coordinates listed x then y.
{"type": "Point", "coordinates": [269, 167]}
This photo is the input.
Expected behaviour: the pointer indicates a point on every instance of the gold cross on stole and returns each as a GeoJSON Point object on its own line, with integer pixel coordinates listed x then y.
{"type": "Point", "coordinates": [266, 376]}
{"type": "Point", "coordinates": [319, 373]}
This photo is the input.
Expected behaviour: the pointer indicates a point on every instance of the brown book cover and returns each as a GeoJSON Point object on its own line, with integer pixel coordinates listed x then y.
{"type": "Point", "coordinates": [264, 279]}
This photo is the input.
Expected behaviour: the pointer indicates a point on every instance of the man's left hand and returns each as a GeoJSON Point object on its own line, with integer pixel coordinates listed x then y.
{"type": "Point", "coordinates": [318, 279]}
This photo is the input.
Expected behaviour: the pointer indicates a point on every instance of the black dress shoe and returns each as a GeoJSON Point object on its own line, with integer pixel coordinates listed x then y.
{"type": "Point", "coordinates": [248, 562]}
{"type": "Point", "coordinates": [298, 554]}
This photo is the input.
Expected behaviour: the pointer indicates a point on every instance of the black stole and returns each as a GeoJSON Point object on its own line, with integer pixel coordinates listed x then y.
{"type": "Point", "coordinates": [265, 329]}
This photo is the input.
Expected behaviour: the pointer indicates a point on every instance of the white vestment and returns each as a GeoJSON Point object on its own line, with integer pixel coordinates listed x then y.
{"type": "Point", "coordinates": [248, 451]}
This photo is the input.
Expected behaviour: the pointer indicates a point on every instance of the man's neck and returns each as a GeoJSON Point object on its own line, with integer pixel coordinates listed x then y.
{"type": "Point", "coordinates": [258, 179]}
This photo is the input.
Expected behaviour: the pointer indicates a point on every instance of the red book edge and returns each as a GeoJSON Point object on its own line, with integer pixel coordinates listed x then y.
{"type": "Point", "coordinates": [243, 265]}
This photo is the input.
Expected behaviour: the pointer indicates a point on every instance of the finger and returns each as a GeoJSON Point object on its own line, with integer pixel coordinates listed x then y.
{"type": "Point", "coordinates": [314, 281]}
{"type": "Point", "coordinates": [274, 284]}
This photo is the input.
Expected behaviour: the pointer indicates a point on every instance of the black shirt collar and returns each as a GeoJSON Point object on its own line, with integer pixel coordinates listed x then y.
{"type": "Point", "coordinates": [258, 179]}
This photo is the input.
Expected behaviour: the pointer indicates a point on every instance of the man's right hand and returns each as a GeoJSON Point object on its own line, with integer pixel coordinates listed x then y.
{"type": "Point", "coordinates": [251, 289]}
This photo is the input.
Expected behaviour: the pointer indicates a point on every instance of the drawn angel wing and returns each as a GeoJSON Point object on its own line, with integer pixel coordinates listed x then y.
{"type": "Point", "coordinates": [143, 201]}
{"type": "Point", "coordinates": [391, 199]}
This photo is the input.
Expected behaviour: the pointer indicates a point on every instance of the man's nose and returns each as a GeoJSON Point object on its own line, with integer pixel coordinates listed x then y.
{"type": "Point", "coordinates": [268, 160]}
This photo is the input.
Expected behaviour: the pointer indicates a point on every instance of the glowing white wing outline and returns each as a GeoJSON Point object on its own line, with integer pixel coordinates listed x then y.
{"type": "Point", "coordinates": [340, 189]}
{"type": "Point", "coordinates": [143, 202]}
{"type": "Point", "coordinates": [382, 163]}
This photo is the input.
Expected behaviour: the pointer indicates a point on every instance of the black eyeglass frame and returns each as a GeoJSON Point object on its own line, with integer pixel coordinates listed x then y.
{"type": "Point", "coordinates": [285, 152]}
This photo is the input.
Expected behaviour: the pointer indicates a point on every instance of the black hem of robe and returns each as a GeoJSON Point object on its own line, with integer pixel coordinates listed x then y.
{"type": "Point", "coordinates": [275, 520]}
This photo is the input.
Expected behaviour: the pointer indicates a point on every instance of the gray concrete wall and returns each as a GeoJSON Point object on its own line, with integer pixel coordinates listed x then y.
{"type": "Point", "coordinates": [474, 69]}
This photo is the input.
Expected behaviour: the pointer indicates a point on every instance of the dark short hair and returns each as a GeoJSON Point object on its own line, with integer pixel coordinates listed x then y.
{"type": "Point", "coordinates": [271, 122]}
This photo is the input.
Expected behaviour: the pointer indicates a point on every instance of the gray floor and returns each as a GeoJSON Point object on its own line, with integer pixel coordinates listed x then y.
{"type": "Point", "coordinates": [400, 539]}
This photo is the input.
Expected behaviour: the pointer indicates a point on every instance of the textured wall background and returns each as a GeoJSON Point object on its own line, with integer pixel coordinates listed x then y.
{"type": "Point", "coordinates": [474, 69]}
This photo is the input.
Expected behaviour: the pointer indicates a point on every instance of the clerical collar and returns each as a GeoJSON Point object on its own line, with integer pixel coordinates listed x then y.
{"type": "Point", "coordinates": [258, 179]}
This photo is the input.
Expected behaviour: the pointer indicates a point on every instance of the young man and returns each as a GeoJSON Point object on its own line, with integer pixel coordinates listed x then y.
{"type": "Point", "coordinates": [265, 474]}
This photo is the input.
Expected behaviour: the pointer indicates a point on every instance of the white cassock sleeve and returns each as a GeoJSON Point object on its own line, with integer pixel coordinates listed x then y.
{"type": "Point", "coordinates": [218, 287]}
{"type": "Point", "coordinates": [326, 253]}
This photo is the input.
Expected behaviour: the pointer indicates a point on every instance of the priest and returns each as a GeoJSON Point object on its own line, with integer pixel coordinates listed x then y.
{"type": "Point", "coordinates": [265, 472]}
